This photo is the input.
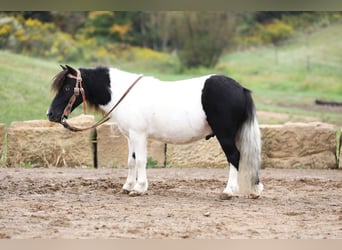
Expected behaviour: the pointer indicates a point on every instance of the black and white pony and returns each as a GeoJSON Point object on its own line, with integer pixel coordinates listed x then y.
{"type": "Point", "coordinates": [175, 112]}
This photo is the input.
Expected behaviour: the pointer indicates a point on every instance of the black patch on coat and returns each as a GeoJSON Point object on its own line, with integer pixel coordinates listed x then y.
{"type": "Point", "coordinates": [227, 106]}
{"type": "Point", "coordinates": [96, 84]}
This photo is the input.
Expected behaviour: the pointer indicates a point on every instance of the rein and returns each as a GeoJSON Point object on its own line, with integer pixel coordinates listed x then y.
{"type": "Point", "coordinates": [79, 89]}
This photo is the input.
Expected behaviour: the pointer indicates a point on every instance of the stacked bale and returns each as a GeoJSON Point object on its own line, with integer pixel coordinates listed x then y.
{"type": "Point", "coordinates": [299, 145]}
{"type": "Point", "coordinates": [46, 144]}
{"type": "Point", "coordinates": [112, 147]}
{"type": "Point", "coordinates": [292, 145]}
{"type": "Point", "coordinates": [2, 138]}
{"type": "Point", "coordinates": [203, 153]}
{"type": "Point", "coordinates": [340, 162]}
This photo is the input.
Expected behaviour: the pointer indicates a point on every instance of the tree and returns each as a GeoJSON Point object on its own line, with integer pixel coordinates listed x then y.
{"type": "Point", "coordinates": [69, 21]}
{"type": "Point", "coordinates": [109, 27]}
{"type": "Point", "coordinates": [275, 32]}
{"type": "Point", "coordinates": [43, 16]}
{"type": "Point", "coordinates": [201, 37]}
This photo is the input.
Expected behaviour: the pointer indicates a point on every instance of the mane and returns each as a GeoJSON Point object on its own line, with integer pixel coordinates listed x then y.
{"type": "Point", "coordinates": [58, 80]}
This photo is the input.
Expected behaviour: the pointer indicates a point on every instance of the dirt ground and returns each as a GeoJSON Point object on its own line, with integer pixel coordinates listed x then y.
{"type": "Point", "coordinates": [181, 203]}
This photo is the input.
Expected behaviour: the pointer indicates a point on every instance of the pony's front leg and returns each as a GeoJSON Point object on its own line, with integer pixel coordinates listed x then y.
{"type": "Point", "coordinates": [132, 172]}
{"type": "Point", "coordinates": [139, 143]}
{"type": "Point", "coordinates": [142, 183]}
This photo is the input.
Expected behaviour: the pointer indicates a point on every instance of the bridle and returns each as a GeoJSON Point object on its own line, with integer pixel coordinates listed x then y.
{"type": "Point", "coordinates": [79, 89]}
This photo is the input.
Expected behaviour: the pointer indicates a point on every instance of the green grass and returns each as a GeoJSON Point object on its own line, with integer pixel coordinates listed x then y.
{"type": "Point", "coordinates": [286, 85]}
{"type": "Point", "coordinates": [301, 74]}
{"type": "Point", "coordinates": [25, 85]}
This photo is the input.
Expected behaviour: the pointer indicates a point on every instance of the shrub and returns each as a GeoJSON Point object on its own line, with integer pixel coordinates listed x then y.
{"type": "Point", "coordinates": [275, 31]}
{"type": "Point", "coordinates": [202, 37]}
{"type": "Point", "coordinates": [8, 26]}
{"type": "Point", "coordinates": [35, 38]}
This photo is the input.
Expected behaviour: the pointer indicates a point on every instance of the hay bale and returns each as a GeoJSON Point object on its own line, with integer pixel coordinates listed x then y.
{"type": "Point", "coordinates": [2, 138]}
{"type": "Point", "coordinates": [156, 151]}
{"type": "Point", "coordinates": [293, 145]}
{"type": "Point", "coordinates": [340, 159]}
{"type": "Point", "coordinates": [112, 148]}
{"type": "Point", "coordinates": [203, 153]}
{"type": "Point", "coordinates": [299, 145]}
{"type": "Point", "coordinates": [45, 144]}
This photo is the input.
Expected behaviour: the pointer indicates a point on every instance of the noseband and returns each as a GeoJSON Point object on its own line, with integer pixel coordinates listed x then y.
{"type": "Point", "coordinates": [79, 89]}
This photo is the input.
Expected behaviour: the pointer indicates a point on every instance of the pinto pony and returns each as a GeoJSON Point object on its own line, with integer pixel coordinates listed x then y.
{"type": "Point", "coordinates": [175, 112]}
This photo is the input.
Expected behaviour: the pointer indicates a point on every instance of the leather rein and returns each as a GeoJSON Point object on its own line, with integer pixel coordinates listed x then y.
{"type": "Point", "coordinates": [79, 89]}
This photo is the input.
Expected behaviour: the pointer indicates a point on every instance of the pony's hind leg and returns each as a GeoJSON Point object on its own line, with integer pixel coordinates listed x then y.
{"type": "Point", "coordinates": [232, 187]}
{"type": "Point", "coordinates": [231, 114]}
{"type": "Point", "coordinates": [233, 157]}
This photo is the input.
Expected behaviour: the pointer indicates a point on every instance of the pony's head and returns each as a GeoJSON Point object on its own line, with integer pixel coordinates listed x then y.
{"type": "Point", "coordinates": [65, 85]}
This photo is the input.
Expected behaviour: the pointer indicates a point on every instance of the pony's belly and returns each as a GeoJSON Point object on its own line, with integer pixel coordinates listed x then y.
{"type": "Point", "coordinates": [183, 122]}
{"type": "Point", "coordinates": [182, 136]}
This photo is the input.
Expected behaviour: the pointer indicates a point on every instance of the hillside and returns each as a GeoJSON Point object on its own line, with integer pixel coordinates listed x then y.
{"type": "Point", "coordinates": [305, 69]}
{"type": "Point", "coordinates": [25, 87]}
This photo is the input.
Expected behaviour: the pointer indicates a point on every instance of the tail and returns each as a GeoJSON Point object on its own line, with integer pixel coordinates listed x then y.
{"type": "Point", "coordinates": [249, 140]}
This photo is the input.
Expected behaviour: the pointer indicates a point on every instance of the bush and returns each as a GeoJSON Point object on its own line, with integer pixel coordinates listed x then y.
{"type": "Point", "coordinates": [107, 26]}
{"type": "Point", "coordinates": [34, 38]}
{"type": "Point", "coordinates": [7, 26]}
{"type": "Point", "coordinates": [202, 37]}
{"type": "Point", "coordinates": [275, 32]}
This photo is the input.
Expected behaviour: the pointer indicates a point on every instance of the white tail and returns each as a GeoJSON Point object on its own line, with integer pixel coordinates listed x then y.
{"type": "Point", "coordinates": [250, 157]}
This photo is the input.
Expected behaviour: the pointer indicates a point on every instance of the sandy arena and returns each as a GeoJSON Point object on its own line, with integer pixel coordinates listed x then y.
{"type": "Point", "coordinates": [180, 204]}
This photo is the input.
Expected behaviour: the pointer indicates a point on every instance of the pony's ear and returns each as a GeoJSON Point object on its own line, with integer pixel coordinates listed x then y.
{"type": "Point", "coordinates": [71, 70]}
{"type": "Point", "coordinates": [63, 67]}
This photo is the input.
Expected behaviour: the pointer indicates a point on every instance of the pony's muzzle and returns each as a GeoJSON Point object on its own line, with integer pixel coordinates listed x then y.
{"type": "Point", "coordinates": [54, 117]}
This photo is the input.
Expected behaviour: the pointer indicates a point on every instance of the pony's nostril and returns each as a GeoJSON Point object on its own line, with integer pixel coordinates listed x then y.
{"type": "Point", "coordinates": [48, 114]}
{"type": "Point", "coordinates": [51, 116]}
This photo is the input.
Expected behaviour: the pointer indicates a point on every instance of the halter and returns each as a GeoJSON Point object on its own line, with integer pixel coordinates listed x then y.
{"type": "Point", "coordinates": [79, 89]}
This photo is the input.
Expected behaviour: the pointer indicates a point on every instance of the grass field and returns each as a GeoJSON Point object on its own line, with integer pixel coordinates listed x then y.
{"type": "Point", "coordinates": [305, 69]}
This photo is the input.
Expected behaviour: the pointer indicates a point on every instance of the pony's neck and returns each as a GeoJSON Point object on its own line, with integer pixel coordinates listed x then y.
{"type": "Point", "coordinates": [96, 84]}
{"type": "Point", "coordinates": [120, 81]}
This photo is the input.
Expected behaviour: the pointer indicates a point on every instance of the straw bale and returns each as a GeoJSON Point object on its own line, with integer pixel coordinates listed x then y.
{"type": "Point", "coordinates": [112, 147]}
{"type": "Point", "coordinates": [41, 143]}
{"type": "Point", "coordinates": [340, 158]}
{"type": "Point", "coordinates": [292, 145]}
{"type": "Point", "coordinates": [299, 145]}
{"type": "Point", "coordinates": [202, 153]}
{"type": "Point", "coordinates": [2, 137]}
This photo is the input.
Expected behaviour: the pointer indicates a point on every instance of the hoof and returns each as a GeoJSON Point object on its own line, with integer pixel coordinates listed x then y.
{"type": "Point", "coordinates": [225, 196]}
{"type": "Point", "coordinates": [136, 193]}
{"type": "Point", "coordinates": [253, 196]}
{"type": "Point", "coordinates": [256, 192]}
{"type": "Point", "coordinates": [124, 191]}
